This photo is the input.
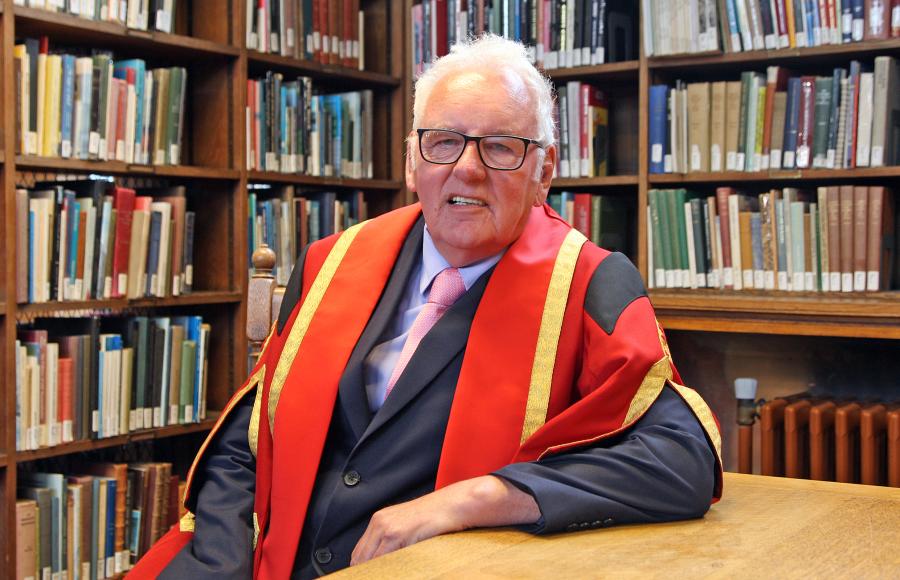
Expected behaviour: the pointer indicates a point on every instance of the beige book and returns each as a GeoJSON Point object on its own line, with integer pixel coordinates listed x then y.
{"type": "Point", "coordinates": [732, 124]}
{"type": "Point", "coordinates": [824, 256]}
{"type": "Point", "coordinates": [127, 375]}
{"type": "Point", "coordinates": [160, 138]}
{"type": "Point", "coordinates": [717, 127]}
{"type": "Point", "coordinates": [864, 122]}
{"type": "Point", "coordinates": [746, 248]}
{"type": "Point", "coordinates": [698, 96]}
{"type": "Point", "coordinates": [860, 233]}
{"type": "Point", "coordinates": [769, 241]}
{"type": "Point", "coordinates": [846, 223]}
{"type": "Point", "coordinates": [137, 252]}
{"type": "Point", "coordinates": [884, 111]}
{"type": "Point", "coordinates": [26, 532]}
{"type": "Point", "coordinates": [779, 110]}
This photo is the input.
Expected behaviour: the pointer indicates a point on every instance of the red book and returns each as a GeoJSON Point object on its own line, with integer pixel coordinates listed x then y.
{"type": "Point", "coordinates": [878, 22]}
{"type": "Point", "coordinates": [439, 14]}
{"type": "Point", "coordinates": [722, 194]}
{"type": "Point", "coordinates": [334, 29]}
{"type": "Point", "coordinates": [583, 214]}
{"type": "Point", "coordinates": [807, 121]}
{"type": "Point", "coordinates": [121, 116]}
{"type": "Point", "coordinates": [123, 203]}
{"type": "Point", "coordinates": [776, 81]}
{"type": "Point", "coordinates": [895, 18]}
{"type": "Point", "coordinates": [66, 410]}
{"type": "Point", "coordinates": [349, 17]}
{"type": "Point", "coordinates": [320, 24]}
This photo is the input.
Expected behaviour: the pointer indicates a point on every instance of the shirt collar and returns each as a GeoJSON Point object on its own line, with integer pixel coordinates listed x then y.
{"type": "Point", "coordinates": [433, 262]}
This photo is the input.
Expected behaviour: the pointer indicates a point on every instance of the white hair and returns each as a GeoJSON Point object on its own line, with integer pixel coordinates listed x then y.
{"type": "Point", "coordinates": [495, 53]}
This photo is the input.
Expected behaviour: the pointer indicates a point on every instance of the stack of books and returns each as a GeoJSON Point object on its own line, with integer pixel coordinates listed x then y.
{"type": "Point", "coordinates": [583, 113]}
{"type": "Point", "coordinates": [604, 219]}
{"type": "Point", "coordinates": [138, 14]}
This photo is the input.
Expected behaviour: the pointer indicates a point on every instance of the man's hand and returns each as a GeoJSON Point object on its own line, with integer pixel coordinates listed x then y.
{"type": "Point", "coordinates": [474, 503]}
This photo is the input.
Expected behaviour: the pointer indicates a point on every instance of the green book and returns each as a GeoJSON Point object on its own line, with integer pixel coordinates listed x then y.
{"type": "Point", "coordinates": [659, 261]}
{"type": "Point", "coordinates": [746, 82]}
{"type": "Point", "coordinates": [188, 365]}
{"type": "Point", "coordinates": [680, 196]}
{"type": "Point", "coordinates": [175, 108]}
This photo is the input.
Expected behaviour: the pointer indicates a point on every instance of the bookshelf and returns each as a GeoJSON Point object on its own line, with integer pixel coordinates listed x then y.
{"type": "Point", "coordinates": [208, 40]}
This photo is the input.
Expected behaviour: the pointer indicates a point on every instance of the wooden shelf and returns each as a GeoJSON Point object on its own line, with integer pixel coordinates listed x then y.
{"type": "Point", "coordinates": [860, 315]}
{"type": "Point", "coordinates": [619, 71]}
{"type": "Point", "coordinates": [35, 163]}
{"type": "Point", "coordinates": [92, 444]}
{"type": "Point", "coordinates": [260, 62]}
{"type": "Point", "coordinates": [826, 53]}
{"type": "Point", "coordinates": [66, 29]}
{"type": "Point", "coordinates": [118, 305]}
{"type": "Point", "coordinates": [344, 182]}
{"type": "Point", "coordinates": [608, 181]}
{"type": "Point", "coordinates": [787, 175]}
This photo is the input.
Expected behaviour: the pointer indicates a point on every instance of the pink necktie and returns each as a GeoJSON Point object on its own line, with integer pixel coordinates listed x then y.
{"type": "Point", "coordinates": [447, 287]}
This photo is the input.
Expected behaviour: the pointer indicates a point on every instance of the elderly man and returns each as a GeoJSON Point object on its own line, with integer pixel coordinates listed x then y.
{"type": "Point", "coordinates": [468, 361]}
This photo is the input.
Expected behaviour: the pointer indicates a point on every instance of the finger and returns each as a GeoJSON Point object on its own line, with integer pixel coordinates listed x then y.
{"type": "Point", "coordinates": [361, 550]}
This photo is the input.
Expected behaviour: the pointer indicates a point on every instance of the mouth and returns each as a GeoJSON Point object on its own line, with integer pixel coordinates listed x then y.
{"type": "Point", "coordinates": [466, 201]}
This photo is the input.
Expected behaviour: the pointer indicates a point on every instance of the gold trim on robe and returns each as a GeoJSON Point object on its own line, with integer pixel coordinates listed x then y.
{"type": "Point", "coordinates": [548, 335]}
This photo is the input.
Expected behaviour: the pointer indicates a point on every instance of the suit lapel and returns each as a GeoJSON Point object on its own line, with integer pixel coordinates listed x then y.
{"type": "Point", "coordinates": [352, 391]}
{"type": "Point", "coordinates": [440, 346]}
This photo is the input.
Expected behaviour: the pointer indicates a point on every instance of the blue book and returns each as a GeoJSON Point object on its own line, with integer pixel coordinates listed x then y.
{"type": "Point", "coordinates": [95, 525]}
{"type": "Point", "coordinates": [846, 24]}
{"type": "Point", "coordinates": [336, 102]}
{"type": "Point", "coordinates": [791, 120]}
{"type": "Point", "coordinates": [74, 213]}
{"type": "Point", "coordinates": [153, 250]}
{"type": "Point", "coordinates": [110, 527]}
{"type": "Point", "coordinates": [833, 114]}
{"type": "Point", "coordinates": [858, 8]}
{"type": "Point", "coordinates": [282, 127]}
{"type": "Point", "coordinates": [193, 333]}
{"type": "Point", "coordinates": [812, 21]}
{"type": "Point", "coordinates": [733, 28]}
{"type": "Point", "coordinates": [253, 243]}
{"type": "Point", "coordinates": [103, 250]}
{"type": "Point", "coordinates": [269, 224]}
{"type": "Point", "coordinates": [67, 107]}
{"type": "Point", "coordinates": [852, 114]}
{"type": "Point", "coordinates": [140, 69]}
{"type": "Point", "coordinates": [659, 98]}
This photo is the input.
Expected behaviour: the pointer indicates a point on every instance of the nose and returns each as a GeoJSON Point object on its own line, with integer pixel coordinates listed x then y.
{"type": "Point", "coordinates": [469, 166]}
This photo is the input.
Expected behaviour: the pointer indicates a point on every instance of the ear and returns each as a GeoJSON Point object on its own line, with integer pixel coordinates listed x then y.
{"type": "Point", "coordinates": [411, 162]}
{"type": "Point", "coordinates": [548, 168]}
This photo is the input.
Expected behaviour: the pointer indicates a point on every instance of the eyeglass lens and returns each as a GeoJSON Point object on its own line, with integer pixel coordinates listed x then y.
{"type": "Point", "coordinates": [498, 151]}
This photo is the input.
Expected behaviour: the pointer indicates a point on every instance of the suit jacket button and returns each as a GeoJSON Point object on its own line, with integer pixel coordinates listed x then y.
{"type": "Point", "coordinates": [608, 522]}
{"type": "Point", "coordinates": [323, 555]}
{"type": "Point", "coordinates": [351, 478]}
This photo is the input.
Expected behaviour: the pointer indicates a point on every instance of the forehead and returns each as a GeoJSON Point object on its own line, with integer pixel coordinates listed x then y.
{"type": "Point", "coordinates": [479, 102]}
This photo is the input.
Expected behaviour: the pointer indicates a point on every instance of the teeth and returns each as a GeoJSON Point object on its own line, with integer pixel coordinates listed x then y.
{"type": "Point", "coordinates": [460, 200]}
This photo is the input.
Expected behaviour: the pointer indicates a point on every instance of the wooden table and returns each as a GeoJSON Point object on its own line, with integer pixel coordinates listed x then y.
{"type": "Point", "coordinates": [765, 527]}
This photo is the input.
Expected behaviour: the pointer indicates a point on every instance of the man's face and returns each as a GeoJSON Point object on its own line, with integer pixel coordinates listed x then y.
{"type": "Point", "coordinates": [479, 103]}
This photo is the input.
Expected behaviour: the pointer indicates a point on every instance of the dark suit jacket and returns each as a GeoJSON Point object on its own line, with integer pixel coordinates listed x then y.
{"type": "Point", "coordinates": [660, 469]}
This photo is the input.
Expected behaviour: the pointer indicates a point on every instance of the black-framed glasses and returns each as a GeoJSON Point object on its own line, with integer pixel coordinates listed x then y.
{"type": "Point", "coordinates": [445, 147]}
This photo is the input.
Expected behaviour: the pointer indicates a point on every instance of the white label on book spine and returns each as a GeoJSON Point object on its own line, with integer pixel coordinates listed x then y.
{"type": "Point", "coordinates": [55, 433]}
{"type": "Point", "coordinates": [55, 576]}
{"type": "Point", "coordinates": [153, 285]}
{"type": "Point", "coordinates": [797, 282]}
{"type": "Point", "coordinates": [173, 414]}
{"type": "Point", "coordinates": [695, 158]}
{"type": "Point", "coordinates": [857, 29]}
{"type": "Point", "coordinates": [739, 162]}
{"type": "Point", "coordinates": [759, 279]}
{"type": "Point", "coordinates": [782, 279]}
{"type": "Point", "coordinates": [94, 143]}
{"type": "Point", "coordinates": [189, 275]}
{"type": "Point", "coordinates": [872, 281]}
{"type": "Point", "coordinates": [769, 280]}
{"type": "Point", "coordinates": [188, 413]}
{"type": "Point", "coordinates": [174, 154]}
{"type": "Point", "coordinates": [715, 158]}
{"type": "Point", "coordinates": [656, 153]}
{"type": "Point", "coordinates": [770, 42]}
{"type": "Point", "coordinates": [148, 418]}
{"type": "Point", "coordinates": [110, 566]}
{"type": "Point", "coordinates": [859, 281]}
{"type": "Point", "coordinates": [829, 159]}
{"type": "Point", "coordinates": [46, 573]}
{"type": "Point", "coordinates": [802, 156]}
{"type": "Point", "coordinates": [67, 433]}
{"type": "Point", "coordinates": [788, 159]}
{"type": "Point", "coordinates": [122, 282]}
{"type": "Point", "coordinates": [809, 281]}
{"type": "Point", "coordinates": [670, 278]}
{"type": "Point", "coordinates": [66, 148]}
{"type": "Point", "coordinates": [289, 37]}
{"type": "Point", "coordinates": [163, 21]}
{"type": "Point", "coordinates": [728, 274]}
{"type": "Point", "coordinates": [157, 417]}
{"type": "Point", "coordinates": [667, 164]}
{"type": "Point", "coordinates": [826, 281]}
{"type": "Point", "coordinates": [95, 420]}
{"type": "Point", "coordinates": [835, 283]}
{"type": "Point", "coordinates": [730, 160]}
{"type": "Point", "coordinates": [747, 278]}
{"type": "Point", "coordinates": [118, 562]}
{"type": "Point", "coordinates": [85, 569]}
{"type": "Point", "coordinates": [877, 156]}
{"type": "Point", "coordinates": [132, 420]}
{"type": "Point", "coordinates": [31, 143]}
{"type": "Point", "coordinates": [846, 282]}
{"type": "Point", "coordinates": [761, 162]}
{"type": "Point", "coordinates": [660, 278]}
{"type": "Point", "coordinates": [847, 22]}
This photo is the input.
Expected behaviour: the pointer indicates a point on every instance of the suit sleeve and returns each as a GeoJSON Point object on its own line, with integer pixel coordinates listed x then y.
{"type": "Point", "coordinates": [662, 468]}
{"type": "Point", "coordinates": [222, 545]}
